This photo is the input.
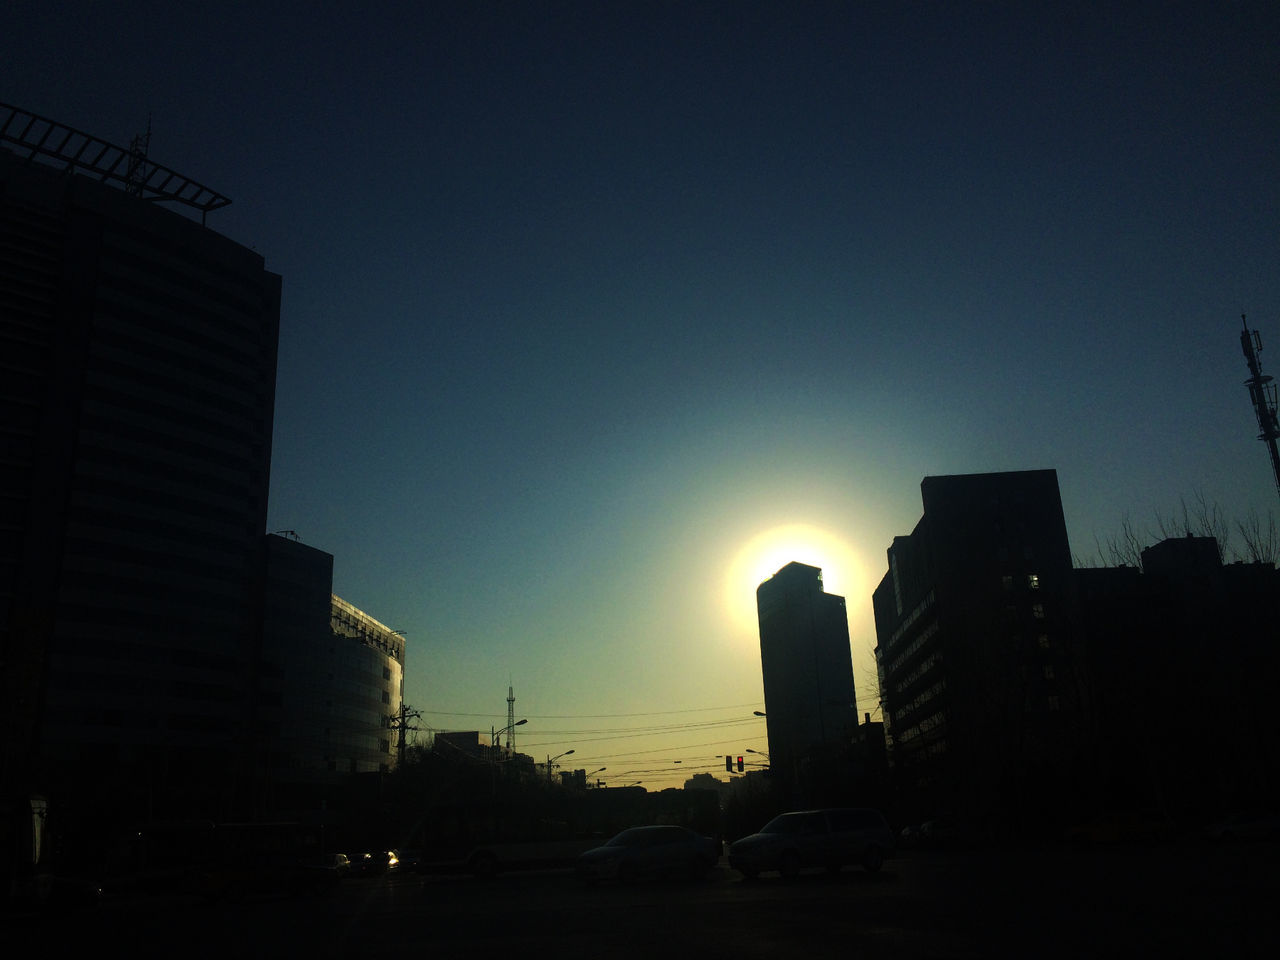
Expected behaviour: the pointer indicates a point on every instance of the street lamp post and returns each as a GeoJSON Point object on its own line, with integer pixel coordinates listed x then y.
{"type": "Point", "coordinates": [551, 760]}
{"type": "Point", "coordinates": [493, 745]}
{"type": "Point", "coordinates": [511, 726]}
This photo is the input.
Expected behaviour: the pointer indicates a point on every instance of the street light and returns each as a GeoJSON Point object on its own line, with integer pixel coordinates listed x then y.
{"type": "Point", "coordinates": [551, 760]}
{"type": "Point", "coordinates": [759, 753]}
{"type": "Point", "coordinates": [510, 726]}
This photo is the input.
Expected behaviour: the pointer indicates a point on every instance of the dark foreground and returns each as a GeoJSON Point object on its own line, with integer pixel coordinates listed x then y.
{"type": "Point", "coordinates": [1172, 901]}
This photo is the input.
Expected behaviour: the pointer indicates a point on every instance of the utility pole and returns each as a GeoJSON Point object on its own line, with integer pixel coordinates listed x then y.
{"type": "Point", "coordinates": [1262, 391]}
{"type": "Point", "coordinates": [400, 724]}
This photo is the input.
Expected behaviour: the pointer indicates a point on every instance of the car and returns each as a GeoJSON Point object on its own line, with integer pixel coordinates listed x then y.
{"type": "Point", "coordinates": [1119, 827]}
{"type": "Point", "coordinates": [373, 864]}
{"type": "Point", "coordinates": [939, 832]}
{"type": "Point", "coordinates": [1245, 825]}
{"type": "Point", "coordinates": [658, 850]}
{"type": "Point", "coordinates": [830, 837]}
{"type": "Point", "coordinates": [409, 860]}
{"type": "Point", "coordinates": [338, 863]}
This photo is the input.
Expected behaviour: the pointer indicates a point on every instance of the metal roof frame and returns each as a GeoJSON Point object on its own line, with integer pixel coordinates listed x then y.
{"type": "Point", "coordinates": [85, 153]}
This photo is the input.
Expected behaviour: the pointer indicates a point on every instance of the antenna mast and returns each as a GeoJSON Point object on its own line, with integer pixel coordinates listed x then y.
{"type": "Point", "coordinates": [135, 176]}
{"type": "Point", "coordinates": [1262, 391]}
{"type": "Point", "coordinates": [511, 718]}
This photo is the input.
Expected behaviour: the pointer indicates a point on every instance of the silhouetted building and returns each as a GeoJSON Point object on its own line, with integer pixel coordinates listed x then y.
{"type": "Point", "coordinates": [808, 682]}
{"type": "Point", "coordinates": [979, 675]}
{"type": "Point", "coordinates": [705, 781]}
{"type": "Point", "coordinates": [331, 676]}
{"type": "Point", "coordinates": [1182, 659]}
{"type": "Point", "coordinates": [139, 354]}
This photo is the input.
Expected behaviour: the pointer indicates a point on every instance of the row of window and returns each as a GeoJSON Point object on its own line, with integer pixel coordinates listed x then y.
{"type": "Point", "coordinates": [910, 620]}
{"type": "Point", "coordinates": [925, 635]}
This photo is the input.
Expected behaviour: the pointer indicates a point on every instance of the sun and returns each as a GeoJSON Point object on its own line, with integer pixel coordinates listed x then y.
{"type": "Point", "coordinates": [769, 551]}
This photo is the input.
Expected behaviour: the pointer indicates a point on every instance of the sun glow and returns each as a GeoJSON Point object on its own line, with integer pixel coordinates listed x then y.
{"type": "Point", "coordinates": [769, 551]}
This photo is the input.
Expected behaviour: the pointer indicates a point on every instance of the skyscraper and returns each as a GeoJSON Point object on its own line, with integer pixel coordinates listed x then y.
{"type": "Point", "coordinates": [808, 679]}
{"type": "Point", "coordinates": [139, 354]}
{"type": "Point", "coordinates": [979, 676]}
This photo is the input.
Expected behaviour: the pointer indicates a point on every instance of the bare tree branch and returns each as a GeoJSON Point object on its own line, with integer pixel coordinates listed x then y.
{"type": "Point", "coordinates": [1261, 539]}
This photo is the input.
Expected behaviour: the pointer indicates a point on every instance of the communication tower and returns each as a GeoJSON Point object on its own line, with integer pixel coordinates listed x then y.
{"type": "Point", "coordinates": [1262, 391]}
{"type": "Point", "coordinates": [511, 718]}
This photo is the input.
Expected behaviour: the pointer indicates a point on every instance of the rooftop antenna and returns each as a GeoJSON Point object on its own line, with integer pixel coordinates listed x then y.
{"type": "Point", "coordinates": [33, 137]}
{"type": "Point", "coordinates": [136, 173]}
{"type": "Point", "coordinates": [1262, 391]}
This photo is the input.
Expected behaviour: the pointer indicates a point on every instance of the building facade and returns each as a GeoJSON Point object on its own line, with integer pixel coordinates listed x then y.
{"type": "Point", "coordinates": [139, 354]}
{"type": "Point", "coordinates": [1181, 655]}
{"type": "Point", "coordinates": [331, 677]}
{"type": "Point", "coordinates": [980, 678]}
{"type": "Point", "coordinates": [807, 669]}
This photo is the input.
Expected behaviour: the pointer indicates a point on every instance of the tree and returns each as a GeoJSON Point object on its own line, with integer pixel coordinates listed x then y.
{"type": "Point", "coordinates": [1261, 539]}
{"type": "Point", "coordinates": [1200, 518]}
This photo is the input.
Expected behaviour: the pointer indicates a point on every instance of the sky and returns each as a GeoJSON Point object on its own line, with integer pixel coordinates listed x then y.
{"type": "Point", "coordinates": [595, 314]}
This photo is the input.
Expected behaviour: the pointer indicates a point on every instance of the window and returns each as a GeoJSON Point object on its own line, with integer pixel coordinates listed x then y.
{"type": "Point", "coordinates": [1048, 671]}
{"type": "Point", "coordinates": [1007, 583]}
{"type": "Point", "coordinates": [1043, 640]}
{"type": "Point", "coordinates": [1037, 611]}
{"type": "Point", "coordinates": [1033, 581]}
{"type": "Point", "coordinates": [1055, 703]}
{"type": "Point", "coordinates": [386, 696]}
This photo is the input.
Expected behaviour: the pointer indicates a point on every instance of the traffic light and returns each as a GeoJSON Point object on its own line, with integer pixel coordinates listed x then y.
{"type": "Point", "coordinates": [739, 764]}
{"type": "Point", "coordinates": [728, 764]}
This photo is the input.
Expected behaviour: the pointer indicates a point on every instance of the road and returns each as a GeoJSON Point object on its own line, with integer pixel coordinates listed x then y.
{"type": "Point", "coordinates": [1167, 901]}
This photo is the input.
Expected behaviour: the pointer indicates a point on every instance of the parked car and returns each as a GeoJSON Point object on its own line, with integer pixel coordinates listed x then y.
{"type": "Point", "coordinates": [1245, 825]}
{"type": "Point", "coordinates": [830, 838]}
{"type": "Point", "coordinates": [1118, 827]}
{"type": "Point", "coordinates": [650, 851]}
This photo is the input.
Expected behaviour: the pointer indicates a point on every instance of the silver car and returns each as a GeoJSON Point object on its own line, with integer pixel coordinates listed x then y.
{"type": "Point", "coordinates": [830, 838]}
{"type": "Point", "coordinates": [650, 851]}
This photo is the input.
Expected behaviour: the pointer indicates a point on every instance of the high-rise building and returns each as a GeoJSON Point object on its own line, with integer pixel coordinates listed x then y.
{"type": "Point", "coordinates": [979, 674]}
{"type": "Point", "coordinates": [139, 359]}
{"type": "Point", "coordinates": [331, 677]}
{"type": "Point", "coordinates": [808, 679]}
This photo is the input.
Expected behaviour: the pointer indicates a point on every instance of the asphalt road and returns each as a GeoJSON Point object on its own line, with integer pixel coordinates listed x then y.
{"type": "Point", "coordinates": [1175, 901]}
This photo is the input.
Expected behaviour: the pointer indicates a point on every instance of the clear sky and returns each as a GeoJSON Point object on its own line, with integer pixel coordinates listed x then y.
{"type": "Point", "coordinates": [589, 307]}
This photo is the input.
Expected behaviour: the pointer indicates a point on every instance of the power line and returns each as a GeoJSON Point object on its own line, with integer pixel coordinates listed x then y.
{"type": "Point", "coordinates": [598, 716]}
{"type": "Point", "coordinates": [689, 746]}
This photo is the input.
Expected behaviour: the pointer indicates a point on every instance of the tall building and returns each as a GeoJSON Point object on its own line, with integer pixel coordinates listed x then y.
{"type": "Point", "coordinates": [331, 677]}
{"type": "Point", "coordinates": [808, 680]}
{"type": "Point", "coordinates": [976, 649]}
{"type": "Point", "coordinates": [139, 359]}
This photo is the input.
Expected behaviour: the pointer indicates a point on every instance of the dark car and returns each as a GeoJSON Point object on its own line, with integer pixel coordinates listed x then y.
{"type": "Point", "coordinates": [1119, 827]}
{"type": "Point", "coordinates": [830, 838]}
{"type": "Point", "coordinates": [650, 851]}
{"type": "Point", "coordinates": [373, 864]}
